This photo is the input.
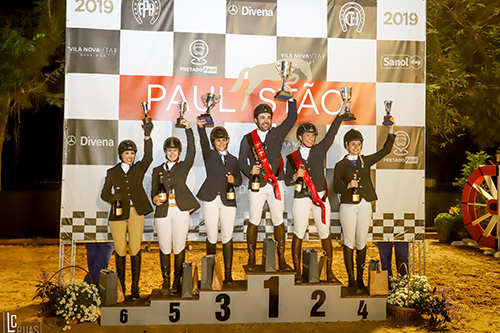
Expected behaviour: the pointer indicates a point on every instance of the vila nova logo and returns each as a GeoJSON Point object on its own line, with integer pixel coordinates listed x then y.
{"type": "Point", "coordinates": [249, 11]}
{"type": "Point", "coordinates": [146, 10]}
{"type": "Point", "coordinates": [91, 51]}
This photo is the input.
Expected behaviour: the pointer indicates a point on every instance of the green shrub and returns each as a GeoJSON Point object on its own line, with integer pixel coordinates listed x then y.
{"type": "Point", "coordinates": [450, 226]}
{"type": "Point", "coordinates": [474, 161]}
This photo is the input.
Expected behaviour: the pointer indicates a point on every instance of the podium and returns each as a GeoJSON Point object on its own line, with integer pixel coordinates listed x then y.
{"type": "Point", "coordinates": [263, 298]}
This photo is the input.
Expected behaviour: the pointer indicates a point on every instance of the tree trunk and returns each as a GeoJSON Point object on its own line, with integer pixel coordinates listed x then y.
{"type": "Point", "coordinates": [4, 117]}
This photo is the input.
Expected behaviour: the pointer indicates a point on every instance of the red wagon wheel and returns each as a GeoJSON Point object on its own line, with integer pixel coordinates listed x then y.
{"type": "Point", "coordinates": [480, 212]}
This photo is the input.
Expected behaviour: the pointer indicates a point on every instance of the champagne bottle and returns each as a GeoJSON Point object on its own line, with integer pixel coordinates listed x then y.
{"type": "Point", "coordinates": [355, 191]}
{"type": "Point", "coordinates": [117, 204]}
{"type": "Point", "coordinates": [230, 194]}
{"type": "Point", "coordinates": [255, 182]}
{"type": "Point", "coordinates": [299, 184]}
{"type": "Point", "coordinates": [162, 193]}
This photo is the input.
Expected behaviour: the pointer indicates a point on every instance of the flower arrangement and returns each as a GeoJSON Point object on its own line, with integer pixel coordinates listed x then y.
{"type": "Point", "coordinates": [71, 301]}
{"type": "Point", "coordinates": [78, 301]}
{"type": "Point", "coordinates": [416, 293]}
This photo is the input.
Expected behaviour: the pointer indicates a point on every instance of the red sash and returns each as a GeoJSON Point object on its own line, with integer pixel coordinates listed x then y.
{"type": "Point", "coordinates": [307, 179]}
{"type": "Point", "coordinates": [269, 177]}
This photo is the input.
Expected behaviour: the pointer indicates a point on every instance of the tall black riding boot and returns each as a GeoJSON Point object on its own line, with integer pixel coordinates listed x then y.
{"type": "Point", "coordinates": [296, 256]}
{"type": "Point", "coordinates": [178, 261]}
{"type": "Point", "coordinates": [360, 261]}
{"type": "Point", "coordinates": [165, 273]}
{"type": "Point", "coordinates": [227, 252]}
{"type": "Point", "coordinates": [326, 244]}
{"type": "Point", "coordinates": [251, 244]}
{"type": "Point", "coordinates": [120, 270]}
{"type": "Point", "coordinates": [279, 237]}
{"type": "Point", "coordinates": [211, 248]}
{"type": "Point", "coordinates": [349, 267]}
{"type": "Point", "coordinates": [136, 274]}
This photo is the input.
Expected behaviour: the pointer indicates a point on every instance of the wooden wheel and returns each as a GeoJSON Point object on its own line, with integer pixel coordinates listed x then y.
{"type": "Point", "coordinates": [480, 212]}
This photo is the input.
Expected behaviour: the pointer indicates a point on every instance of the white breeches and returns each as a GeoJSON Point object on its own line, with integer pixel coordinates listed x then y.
{"type": "Point", "coordinates": [172, 230]}
{"type": "Point", "coordinates": [256, 202]}
{"type": "Point", "coordinates": [213, 211]}
{"type": "Point", "coordinates": [301, 210]}
{"type": "Point", "coordinates": [355, 220]}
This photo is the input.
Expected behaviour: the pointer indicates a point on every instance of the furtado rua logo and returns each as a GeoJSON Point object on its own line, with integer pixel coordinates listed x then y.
{"type": "Point", "coordinates": [352, 14]}
{"type": "Point", "coordinates": [146, 10]}
{"type": "Point", "coordinates": [401, 143]}
{"type": "Point", "coordinates": [11, 325]}
{"type": "Point", "coordinates": [199, 51]}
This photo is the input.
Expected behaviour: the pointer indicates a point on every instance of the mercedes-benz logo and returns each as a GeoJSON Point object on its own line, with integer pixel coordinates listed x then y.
{"type": "Point", "coordinates": [233, 9]}
{"type": "Point", "coordinates": [71, 140]}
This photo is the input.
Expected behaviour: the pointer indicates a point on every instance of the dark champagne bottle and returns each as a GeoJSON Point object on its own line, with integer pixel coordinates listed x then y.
{"type": "Point", "coordinates": [162, 193]}
{"type": "Point", "coordinates": [355, 191]}
{"type": "Point", "coordinates": [117, 204]}
{"type": "Point", "coordinates": [230, 193]}
{"type": "Point", "coordinates": [299, 185]}
{"type": "Point", "coordinates": [255, 183]}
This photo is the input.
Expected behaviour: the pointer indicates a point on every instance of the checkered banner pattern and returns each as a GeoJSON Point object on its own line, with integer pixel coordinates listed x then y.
{"type": "Point", "coordinates": [120, 53]}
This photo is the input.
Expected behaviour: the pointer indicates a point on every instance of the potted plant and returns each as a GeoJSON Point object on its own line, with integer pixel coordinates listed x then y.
{"type": "Point", "coordinates": [71, 302]}
{"type": "Point", "coordinates": [413, 298]}
{"type": "Point", "coordinates": [450, 226]}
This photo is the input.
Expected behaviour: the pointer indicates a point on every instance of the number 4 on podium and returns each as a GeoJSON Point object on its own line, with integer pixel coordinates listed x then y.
{"type": "Point", "coordinates": [362, 310]}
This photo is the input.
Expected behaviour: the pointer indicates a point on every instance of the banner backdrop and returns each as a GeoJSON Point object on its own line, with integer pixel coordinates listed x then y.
{"type": "Point", "coordinates": [121, 53]}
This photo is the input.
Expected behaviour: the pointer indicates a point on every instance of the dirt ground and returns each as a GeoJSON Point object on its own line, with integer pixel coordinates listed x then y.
{"type": "Point", "coordinates": [474, 279]}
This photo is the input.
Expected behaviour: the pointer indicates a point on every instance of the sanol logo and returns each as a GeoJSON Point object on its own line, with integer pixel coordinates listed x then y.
{"type": "Point", "coordinates": [401, 61]}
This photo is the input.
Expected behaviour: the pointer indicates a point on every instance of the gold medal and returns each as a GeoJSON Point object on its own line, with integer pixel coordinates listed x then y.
{"type": "Point", "coordinates": [171, 195]}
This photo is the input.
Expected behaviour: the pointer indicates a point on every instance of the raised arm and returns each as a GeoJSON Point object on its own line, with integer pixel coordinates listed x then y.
{"type": "Point", "coordinates": [386, 149]}
{"type": "Point", "coordinates": [205, 144]}
{"type": "Point", "coordinates": [290, 120]}
{"type": "Point", "coordinates": [148, 145]}
{"type": "Point", "coordinates": [327, 141]}
{"type": "Point", "coordinates": [191, 149]}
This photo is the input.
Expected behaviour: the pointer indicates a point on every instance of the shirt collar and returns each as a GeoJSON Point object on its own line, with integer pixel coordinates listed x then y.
{"type": "Point", "coordinates": [352, 157]}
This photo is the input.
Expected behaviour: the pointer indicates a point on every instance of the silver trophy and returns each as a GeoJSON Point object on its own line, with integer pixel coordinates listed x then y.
{"type": "Point", "coordinates": [182, 109]}
{"type": "Point", "coordinates": [285, 69]}
{"type": "Point", "coordinates": [387, 118]}
{"type": "Point", "coordinates": [145, 110]}
{"type": "Point", "coordinates": [209, 101]}
{"type": "Point", "coordinates": [346, 94]}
